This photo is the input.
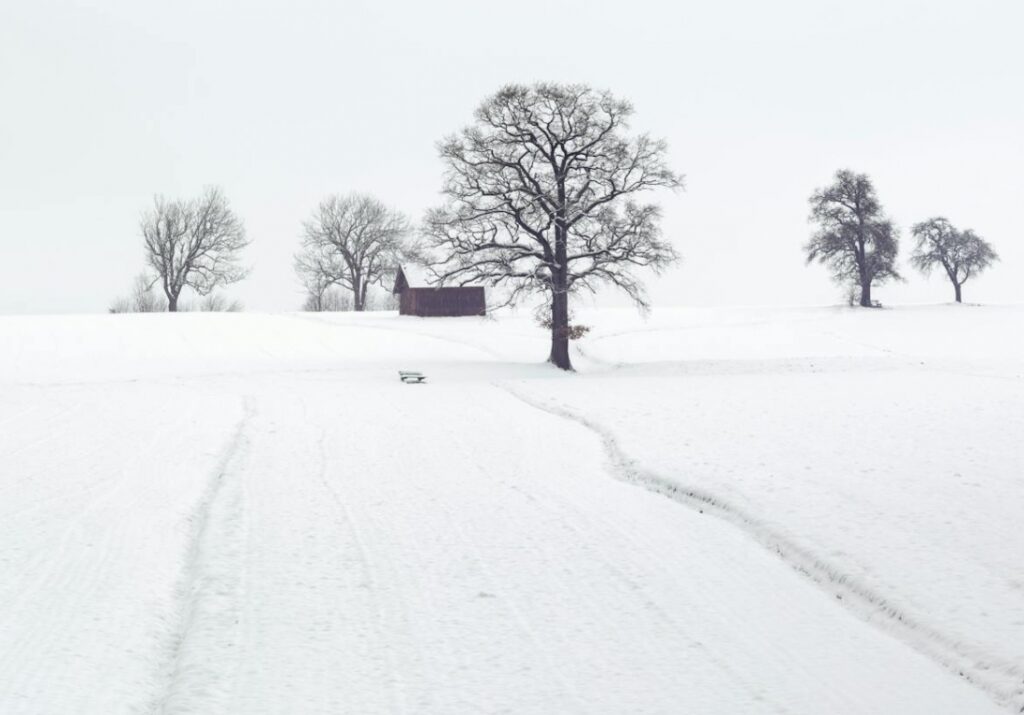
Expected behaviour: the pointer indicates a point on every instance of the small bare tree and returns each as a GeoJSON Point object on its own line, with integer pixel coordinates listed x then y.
{"type": "Point", "coordinates": [960, 253]}
{"type": "Point", "coordinates": [331, 300]}
{"type": "Point", "coordinates": [317, 275]}
{"type": "Point", "coordinates": [854, 239]}
{"type": "Point", "coordinates": [194, 243]}
{"type": "Point", "coordinates": [141, 300]}
{"type": "Point", "coordinates": [353, 241]}
{"type": "Point", "coordinates": [322, 294]}
{"type": "Point", "coordinates": [219, 303]}
{"type": "Point", "coordinates": [540, 199]}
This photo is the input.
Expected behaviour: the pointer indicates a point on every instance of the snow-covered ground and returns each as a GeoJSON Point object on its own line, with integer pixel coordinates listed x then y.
{"type": "Point", "coordinates": [743, 510]}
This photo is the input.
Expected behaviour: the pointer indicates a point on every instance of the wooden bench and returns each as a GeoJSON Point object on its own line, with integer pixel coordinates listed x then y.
{"type": "Point", "coordinates": [411, 377]}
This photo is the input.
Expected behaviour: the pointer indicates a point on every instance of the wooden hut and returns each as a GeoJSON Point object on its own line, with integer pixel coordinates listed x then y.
{"type": "Point", "coordinates": [417, 297]}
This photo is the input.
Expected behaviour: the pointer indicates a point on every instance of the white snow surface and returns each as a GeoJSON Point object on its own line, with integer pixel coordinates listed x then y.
{"type": "Point", "coordinates": [722, 511]}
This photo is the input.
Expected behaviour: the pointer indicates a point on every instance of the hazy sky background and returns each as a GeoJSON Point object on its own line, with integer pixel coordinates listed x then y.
{"type": "Point", "coordinates": [103, 104]}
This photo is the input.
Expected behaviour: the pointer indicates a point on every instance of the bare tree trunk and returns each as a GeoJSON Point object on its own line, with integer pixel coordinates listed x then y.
{"type": "Point", "coordinates": [560, 330]}
{"type": "Point", "coordinates": [560, 288]}
{"type": "Point", "coordinates": [865, 282]}
{"type": "Point", "coordinates": [560, 311]}
{"type": "Point", "coordinates": [956, 286]}
{"type": "Point", "coordinates": [172, 304]}
{"type": "Point", "coordinates": [865, 293]}
{"type": "Point", "coordinates": [357, 293]}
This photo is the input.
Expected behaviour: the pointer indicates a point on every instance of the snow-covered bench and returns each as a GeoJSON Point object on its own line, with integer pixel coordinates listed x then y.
{"type": "Point", "coordinates": [414, 377]}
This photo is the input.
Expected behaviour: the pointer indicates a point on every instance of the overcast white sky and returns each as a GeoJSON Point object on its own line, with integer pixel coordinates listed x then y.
{"type": "Point", "coordinates": [103, 104]}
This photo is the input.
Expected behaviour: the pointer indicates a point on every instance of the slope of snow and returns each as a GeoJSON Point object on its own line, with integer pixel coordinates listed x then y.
{"type": "Point", "coordinates": [879, 451]}
{"type": "Point", "coordinates": [245, 513]}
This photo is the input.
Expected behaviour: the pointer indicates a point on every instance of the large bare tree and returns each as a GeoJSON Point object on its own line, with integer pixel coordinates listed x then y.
{"type": "Point", "coordinates": [193, 243]}
{"type": "Point", "coordinates": [541, 199]}
{"type": "Point", "coordinates": [961, 254]}
{"type": "Point", "coordinates": [353, 241]}
{"type": "Point", "coordinates": [854, 238]}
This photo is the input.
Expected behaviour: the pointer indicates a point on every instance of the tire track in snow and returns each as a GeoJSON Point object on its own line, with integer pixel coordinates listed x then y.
{"type": "Point", "coordinates": [1003, 681]}
{"type": "Point", "coordinates": [372, 580]}
{"type": "Point", "coordinates": [209, 587]}
{"type": "Point", "coordinates": [518, 612]}
{"type": "Point", "coordinates": [58, 582]}
{"type": "Point", "coordinates": [569, 515]}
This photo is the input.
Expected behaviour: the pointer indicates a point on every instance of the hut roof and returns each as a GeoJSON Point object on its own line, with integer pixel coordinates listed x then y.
{"type": "Point", "coordinates": [415, 277]}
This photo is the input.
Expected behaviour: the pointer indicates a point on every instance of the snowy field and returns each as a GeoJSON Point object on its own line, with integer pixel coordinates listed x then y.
{"type": "Point", "coordinates": [724, 511]}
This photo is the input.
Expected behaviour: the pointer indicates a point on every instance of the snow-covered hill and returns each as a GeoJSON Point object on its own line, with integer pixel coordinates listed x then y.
{"type": "Point", "coordinates": [744, 510]}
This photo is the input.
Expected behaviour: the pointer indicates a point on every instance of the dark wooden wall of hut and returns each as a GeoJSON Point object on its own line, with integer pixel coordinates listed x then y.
{"type": "Point", "coordinates": [443, 302]}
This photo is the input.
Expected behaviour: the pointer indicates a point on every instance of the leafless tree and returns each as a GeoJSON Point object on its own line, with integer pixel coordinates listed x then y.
{"type": "Point", "coordinates": [960, 253]}
{"type": "Point", "coordinates": [540, 199]}
{"type": "Point", "coordinates": [322, 293]}
{"type": "Point", "coordinates": [194, 243]}
{"type": "Point", "coordinates": [854, 238]}
{"type": "Point", "coordinates": [142, 298]}
{"type": "Point", "coordinates": [219, 303]}
{"type": "Point", "coordinates": [331, 300]}
{"type": "Point", "coordinates": [353, 241]}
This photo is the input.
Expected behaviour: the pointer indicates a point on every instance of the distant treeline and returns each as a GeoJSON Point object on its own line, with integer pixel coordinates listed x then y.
{"type": "Point", "coordinates": [542, 197]}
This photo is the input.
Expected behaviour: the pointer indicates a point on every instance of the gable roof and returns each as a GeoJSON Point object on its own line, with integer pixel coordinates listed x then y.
{"type": "Point", "coordinates": [416, 276]}
{"type": "Point", "coordinates": [411, 276]}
